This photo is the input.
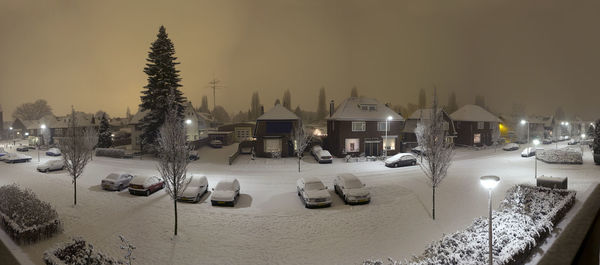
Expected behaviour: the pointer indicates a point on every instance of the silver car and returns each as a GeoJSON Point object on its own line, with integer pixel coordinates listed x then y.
{"type": "Point", "coordinates": [195, 189]}
{"type": "Point", "coordinates": [116, 181]}
{"type": "Point", "coordinates": [226, 193]}
{"type": "Point", "coordinates": [351, 189]}
{"type": "Point", "coordinates": [51, 165]}
{"type": "Point", "coordinates": [313, 192]}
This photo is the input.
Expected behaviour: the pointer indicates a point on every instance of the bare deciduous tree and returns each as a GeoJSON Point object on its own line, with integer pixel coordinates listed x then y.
{"type": "Point", "coordinates": [302, 140]}
{"type": "Point", "coordinates": [173, 157]}
{"type": "Point", "coordinates": [76, 148]}
{"type": "Point", "coordinates": [32, 111]}
{"type": "Point", "coordinates": [438, 152]}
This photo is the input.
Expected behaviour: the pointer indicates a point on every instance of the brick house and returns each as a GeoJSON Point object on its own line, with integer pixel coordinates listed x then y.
{"type": "Point", "coordinates": [274, 132]}
{"type": "Point", "coordinates": [475, 126]}
{"type": "Point", "coordinates": [359, 125]}
{"type": "Point", "coordinates": [409, 136]}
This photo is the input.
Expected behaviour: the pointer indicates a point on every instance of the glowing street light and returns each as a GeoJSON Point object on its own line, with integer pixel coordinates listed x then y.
{"type": "Point", "coordinates": [489, 182]}
{"type": "Point", "coordinates": [188, 121]}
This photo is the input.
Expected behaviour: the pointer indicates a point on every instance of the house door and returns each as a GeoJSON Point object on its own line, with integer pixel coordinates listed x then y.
{"type": "Point", "coordinates": [372, 148]}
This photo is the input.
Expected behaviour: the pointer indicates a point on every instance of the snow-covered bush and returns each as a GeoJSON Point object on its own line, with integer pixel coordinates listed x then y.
{"type": "Point", "coordinates": [525, 217]}
{"type": "Point", "coordinates": [110, 152]}
{"type": "Point", "coordinates": [77, 252]}
{"type": "Point", "coordinates": [567, 155]}
{"type": "Point", "coordinates": [24, 217]}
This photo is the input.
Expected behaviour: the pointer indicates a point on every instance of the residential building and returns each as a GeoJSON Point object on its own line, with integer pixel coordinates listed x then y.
{"type": "Point", "coordinates": [409, 136]}
{"type": "Point", "coordinates": [475, 126]}
{"type": "Point", "coordinates": [274, 132]}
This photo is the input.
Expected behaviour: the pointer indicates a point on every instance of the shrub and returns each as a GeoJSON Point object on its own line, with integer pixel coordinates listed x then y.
{"type": "Point", "coordinates": [77, 252]}
{"type": "Point", "coordinates": [24, 217]}
{"type": "Point", "coordinates": [110, 152]}
{"type": "Point", "coordinates": [561, 156]}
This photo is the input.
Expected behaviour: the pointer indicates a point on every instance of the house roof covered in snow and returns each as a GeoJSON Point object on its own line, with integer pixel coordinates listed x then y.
{"type": "Point", "coordinates": [278, 112]}
{"type": "Point", "coordinates": [364, 109]}
{"type": "Point", "coordinates": [473, 113]}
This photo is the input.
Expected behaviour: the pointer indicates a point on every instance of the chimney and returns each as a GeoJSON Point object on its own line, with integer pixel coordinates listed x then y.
{"type": "Point", "coordinates": [331, 108]}
{"type": "Point", "coordinates": [262, 109]}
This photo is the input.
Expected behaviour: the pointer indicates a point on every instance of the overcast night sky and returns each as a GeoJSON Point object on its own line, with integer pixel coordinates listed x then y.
{"type": "Point", "coordinates": [91, 54]}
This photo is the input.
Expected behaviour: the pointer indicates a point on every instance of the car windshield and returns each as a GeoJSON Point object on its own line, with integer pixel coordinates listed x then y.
{"type": "Point", "coordinates": [224, 185]}
{"type": "Point", "coordinates": [314, 186]}
{"type": "Point", "coordinates": [353, 184]}
{"type": "Point", "coordinates": [112, 176]}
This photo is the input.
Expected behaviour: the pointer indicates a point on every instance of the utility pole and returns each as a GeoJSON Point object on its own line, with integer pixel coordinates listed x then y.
{"type": "Point", "coordinates": [214, 84]}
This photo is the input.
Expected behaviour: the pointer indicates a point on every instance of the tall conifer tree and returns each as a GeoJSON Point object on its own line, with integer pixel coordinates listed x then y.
{"type": "Point", "coordinates": [104, 133]}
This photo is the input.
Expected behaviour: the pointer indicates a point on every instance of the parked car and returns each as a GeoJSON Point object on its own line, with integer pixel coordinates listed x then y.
{"type": "Point", "coordinates": [53, 152]}
{"type": "Point", "coordinates": [323, 156]}
{"type": "Point", "coordinates": [145, 185]}
{"type": "Point", "coordinates": [510, 147]}
{"type": "Point", "coordinates": [546, 141]}
{"type": "Point", "coordinates": [2, 152]}
{"type": "Point", "coordinates": [313, 192]}
{"type": "Point", "coordinates": [195, 189]}
{"type": "Point", "coordinates": [51, 165]}
{"type": "Point", "coordinates": [573, 141]}
{"type": "Point", "coordinates": [419, 150]}
{"type": "Point", "coordinates": [23, 149]}
{"type": "Point", "coordinates": [529, 151]}
{"type": "Point", "coordinates": [16, 158]}
{"type": "Point", "coordinates": [216, 144]}
{"type": "Point", "coordinates": [116, 181]}
{"type": "Point", "coordinates": [226, 193]}
{"type": "Point", "coordinates": [193, 156]}
{"type": "Point", "coordinates": [351, 189]}
{"type": "Point", "coordinates": [315, 149]}
{"type": "Point", "coordinates": [400, 160]}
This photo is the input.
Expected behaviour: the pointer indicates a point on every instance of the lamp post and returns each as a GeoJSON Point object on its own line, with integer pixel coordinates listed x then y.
{"type": "Point", "coordinates": [42, 127]}
{"type": "Point", "coordinates": [489, 182]}
{"type": "Point", "coordinates": [387, 121]}
{"type": "Point", "coordinates": [12, 136]}
{"type": "Point", "coordinates": [523, 122]}
{"type": "Point", "coordinates": [535, 143]}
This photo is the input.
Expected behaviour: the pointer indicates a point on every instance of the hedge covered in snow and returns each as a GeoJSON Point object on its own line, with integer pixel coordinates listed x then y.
{"type": "Point", "coordinates": [110, 152]}
{"type": "Point", "coordinates": [524, 218]}
{"type": "Point", "coordinates": [566, 155]}
{"type": "Point", "coordinates": [24, 217]}
{"type": "Point", "coordinates": [77, 252]}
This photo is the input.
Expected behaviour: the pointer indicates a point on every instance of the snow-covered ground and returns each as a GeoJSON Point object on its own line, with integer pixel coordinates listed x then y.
{"type": "Point", "coordinates": [270, 225]}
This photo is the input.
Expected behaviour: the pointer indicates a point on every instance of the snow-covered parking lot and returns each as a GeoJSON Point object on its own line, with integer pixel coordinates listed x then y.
{"type": "Point", "coordinates": [270, 225]}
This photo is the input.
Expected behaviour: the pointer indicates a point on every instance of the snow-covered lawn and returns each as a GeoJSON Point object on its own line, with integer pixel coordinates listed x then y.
{"type": "Point", "coordinates": [270, 225]}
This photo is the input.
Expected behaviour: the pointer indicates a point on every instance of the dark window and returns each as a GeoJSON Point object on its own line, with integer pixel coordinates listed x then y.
{"type": "Point", "coordinates": [279, 127]}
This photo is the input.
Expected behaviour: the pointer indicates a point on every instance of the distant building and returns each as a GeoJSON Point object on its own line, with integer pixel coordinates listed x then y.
{"type": "Point", "coordinates": [242, 131]}
{"type": "Point", "coordinates": [475, 126]}
{"type": "Point", "coordinates": [274, 132]}
{"type": "Point", "coordinates": [411, 124]}
{"type": "Point", "coordinates": [359, 125]}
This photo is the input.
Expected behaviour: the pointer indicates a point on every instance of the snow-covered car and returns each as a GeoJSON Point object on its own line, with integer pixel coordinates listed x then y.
{"type": "Point", "coordinates": [145, 185]}
{"type": "Point", "coordinates": [400, 160]}
{"type": "Point", "coordinates": [226, 193]}
{"type": "Point", "coordinates": [419, 150]}
{"type": "Point", "coordinates": [351, 189]}
{"type": "Point", "coordinates": [16, 158]}
{"type": "Point", "coordinates": [216, 143]}
{"type": "Point", "coordinates": [510, 147]}
{"type": "Point", "coordinates": [529, 151]}
{"type": "Point", "coordinates": [23, 149]}
{"type": "Point", "coordinates": [193, 156]}
{"type": "Point", "coordinates": [573, 142]}
{"type": "Point", "coordinates": [195, 189]}
{"type": "Point", "coordinates": [323, 157]}
{"type": "Point", "coordinates": [116, 181]}
{"type": "Point", "coordinates": [2, 152]}
{"type": "Point", "coordinates": [51, 165]}
{"type": "Point", "coordinates": [313, 192]}
{"type": "Point", "coordinates": [547, 141]}
{"type": "Point", "coordinates": [315, 149]}
{"type": "Point", "coordinates": [53, 152]}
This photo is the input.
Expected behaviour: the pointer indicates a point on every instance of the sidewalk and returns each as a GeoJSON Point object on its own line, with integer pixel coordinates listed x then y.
{"type": "Point", "coordinates": [6, 258]}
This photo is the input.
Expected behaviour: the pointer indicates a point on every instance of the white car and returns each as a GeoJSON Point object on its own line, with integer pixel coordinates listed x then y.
{"type": "Point", "coordinates": [400, 160]}
{"type": "Point", "coordinates": [16, 158]}
{"type": "Point", "coordinates": [323, 157]}
{"type": "Point", "coordinates": [510, 147]}
{"type": "Point", "coordinates": [51, 165]}
{"type": "Point", "coordinates": [351, 189]}
{"type": "Point", "coordinates": [2, 152]}
{"type": "Point", "coordinates": [226, 193]}
{"type": "Point", "coordinates": [195, 189]}
{"type": "Point", "coordinates": [116, 181]}
{"type": "Point", "coordinates": [316, 149]}
{"type": "Point", "coordinates": [313, 192]}
{"type": "Point", "coordinates": [529, 151]}
{"type": "Point", "coordinates": [53, 152]}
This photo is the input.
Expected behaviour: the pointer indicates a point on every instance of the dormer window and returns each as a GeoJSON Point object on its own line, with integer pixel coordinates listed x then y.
{"type": "Point", "coordinates": [368, 107]}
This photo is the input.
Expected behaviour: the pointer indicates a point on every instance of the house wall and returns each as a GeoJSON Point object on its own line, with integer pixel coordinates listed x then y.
{"type": "Point", "coordinates": [466, 131]}
{"type": "Point", "coordinates": [287, 146]}
{"type": "Point", "coordinates": [339, 131]}
{"type": "Point", "coordinates": [238, 130]}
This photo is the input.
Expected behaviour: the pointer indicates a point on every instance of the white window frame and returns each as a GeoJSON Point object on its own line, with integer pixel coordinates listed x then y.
{"type": "Point", "coordinates": [381, 126]}
{"type": "Point", "coordinates": [359, 126]}
{"type": "Point", "coordinates": [347, 143]}
{"type": "Point", "coordinates": [480, 125]}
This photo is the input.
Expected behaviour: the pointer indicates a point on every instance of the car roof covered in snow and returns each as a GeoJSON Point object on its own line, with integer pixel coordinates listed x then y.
{"type": "Point", "coordinates": [350, 109]}
{"type": "Point", "coordinates": [473, 113]}
{"type": "Point", "coordinates": [310, 179]}
{"type": "Point", "coordinates": [278, 113]}
{"type": "Point", "coordinates": [347, 176]}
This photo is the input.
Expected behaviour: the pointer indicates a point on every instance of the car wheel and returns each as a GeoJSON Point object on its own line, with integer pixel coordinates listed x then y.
{"type": "Point", "coordinates": [47, 170]}
{"type": "Point", "coordinates": [147, 192]}
{"type": "Point", "coordinates": [345, 200]}
{"type": "Point", "coordinates": [121, 187]}
{"type": "Point", "coordinates": [396, 165]}
{"type": "Point", "coordinates": [414, 163]}
{"type": "Point", "coordinates": [197, 198]}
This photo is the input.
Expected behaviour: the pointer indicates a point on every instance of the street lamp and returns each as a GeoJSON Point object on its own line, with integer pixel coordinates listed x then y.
{"type": "Point", "coordinates": [387, 121]}
{"type": "Point", "coordinates": [523, 122]}
{"type": "Point", "coordinates": [188, 121]}
{"type": "Point", "coordinates": [535, 143]}
{"type": "Point", "coordinates": [489, 182]}
{"type": "Point", "coordinates": [43, 126]}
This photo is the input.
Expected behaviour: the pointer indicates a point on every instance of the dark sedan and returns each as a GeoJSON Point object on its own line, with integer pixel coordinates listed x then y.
{"type": "Point", "coordinates": [400, 160]}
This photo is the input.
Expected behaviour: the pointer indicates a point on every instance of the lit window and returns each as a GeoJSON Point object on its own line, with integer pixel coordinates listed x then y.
{"type": "Point", "coordinates": [352, 145]}
{"type": "Point", "coordinates": [389, 143]}
{"type": "Point", "coordinates": [358, 126]}
{"type": "Point", "coordinates": [477, 138]}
